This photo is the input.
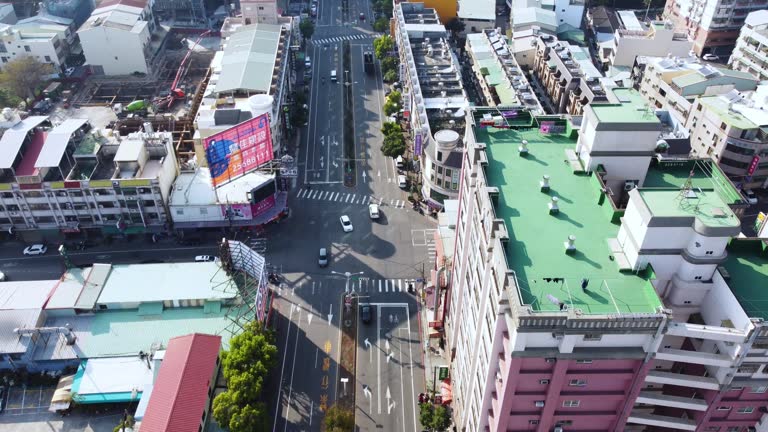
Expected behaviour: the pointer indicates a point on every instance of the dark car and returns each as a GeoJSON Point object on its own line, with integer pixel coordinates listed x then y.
{"type": "Point", "coordinates": [362, 16]}
{"type": "Point", "coordinates": [365, 313]}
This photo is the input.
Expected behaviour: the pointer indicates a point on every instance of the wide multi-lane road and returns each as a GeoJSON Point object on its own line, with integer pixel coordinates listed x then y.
{"type": "Point", "coordinates": [389, 252]}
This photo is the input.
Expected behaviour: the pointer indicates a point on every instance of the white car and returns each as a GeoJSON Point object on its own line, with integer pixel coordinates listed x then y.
{"type": "Point", "coordinates": [346, 224]}
{"type": "Point", "coordinates": [373, 211]}
{"type": "Point", "coordinates": [36, 249]}
{"type": "Point", "coordinates": [203, 258]}
{"type": "Point", "coordinates": [750, 196]}
{"type": "Point", "coordinates": [710, 57]}
{"type": "Point", "coordinates": [2, 277]}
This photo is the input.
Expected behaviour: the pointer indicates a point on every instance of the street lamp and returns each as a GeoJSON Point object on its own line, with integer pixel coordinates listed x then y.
{"type": "Point", "coordinates": [346, 275]}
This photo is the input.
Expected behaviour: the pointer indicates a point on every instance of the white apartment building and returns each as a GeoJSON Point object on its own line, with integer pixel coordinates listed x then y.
{"type": "Point", "coordinates": [249, 77]}
{"type": "Point", "coordinates": [66, 179]}
{"type": "Point", "coordinates": [713, 24]}
{"type": "Point", "coordinates": [635, 38]}
{"type": "Point", "coordinates": [477, 15]}
{"type": "Point", "coordinates": [731, 129]}
{"type": "Point", "coordinates": [117, 38]}
{"type": "Point", "coordinates": [47, 47]}
{"type": "Point", "coordinates": [503, 82]}
{"type": "Point", "coordinates": [751, 52]}
{"type": "Point", "coordinates": [433, 99]}
{"type": "Point", "coordinates": [568, 12]}
{"type": "Point", "coordinates": [674, 83]}
{"type": "Point", "coordinates": [259, 11]}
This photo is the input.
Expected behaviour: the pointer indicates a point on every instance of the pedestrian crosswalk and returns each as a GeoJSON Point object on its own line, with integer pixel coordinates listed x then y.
{"type": "Point", "coordinates": [370, 286]}
{"type": "Point", "coordinates": [347, 198]}
{"type": "Point", "coordinates": [343, 38]}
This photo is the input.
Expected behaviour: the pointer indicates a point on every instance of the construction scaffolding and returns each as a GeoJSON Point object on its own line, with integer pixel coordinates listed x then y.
{"type": "Point", "coordinates": [247, 273]}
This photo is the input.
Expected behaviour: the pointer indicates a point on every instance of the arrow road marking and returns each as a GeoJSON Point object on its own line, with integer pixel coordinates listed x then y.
{"type": "Point", "coordinates": [386, 345]}
{"type": "Point", "coordinates": [364, 176]}
{"type": "Point", "coordinates": [330, 315]}
{"type": "Point", "coordinates": [390, 404]}
{"type": "Point", "coordinates": [366, 391]}
{"type": "Point", "coordinates": [309, 318]}
{"type": "Point", "coordinates": [367, 343]}
{"type": "Point", "coordinates": [389, 356]}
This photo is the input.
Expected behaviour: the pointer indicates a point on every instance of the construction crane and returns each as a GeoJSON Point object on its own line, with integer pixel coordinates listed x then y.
{"type": "Point", "coordinates": [175, 93]}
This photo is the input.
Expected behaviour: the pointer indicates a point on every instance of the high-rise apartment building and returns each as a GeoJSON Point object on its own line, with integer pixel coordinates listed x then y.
{"type": "Point", "coordinates": [713, 24]}
{"type": "Point", "coordinates": [751, 52]}
{"type": "Point", "coordinates": [597, 285]}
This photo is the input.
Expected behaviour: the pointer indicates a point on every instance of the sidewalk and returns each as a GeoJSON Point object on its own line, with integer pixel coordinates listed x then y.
{"type": "Point", "coordinates": [433, 356]}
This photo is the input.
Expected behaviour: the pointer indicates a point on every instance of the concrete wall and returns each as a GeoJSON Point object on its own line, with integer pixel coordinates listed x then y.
{"type": "Point", "coordinates": [119, 52]}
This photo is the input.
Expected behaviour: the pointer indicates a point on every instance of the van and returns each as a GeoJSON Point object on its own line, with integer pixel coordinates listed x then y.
{"type": "Point", "coordinates": [307, 62]}
{"type": "Point", "coordinates": [333, 75]}
{"type": "Point", "coordinates": [402, 182]}
{"type": "Point", "coordinates": [399, 162]}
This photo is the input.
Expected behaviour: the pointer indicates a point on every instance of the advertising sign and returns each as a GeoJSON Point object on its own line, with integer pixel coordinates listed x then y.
{"type": "Point", "coordinates": [261, 300]}
{"type": "Point", "coordinates": [753, 165]}
{"type": "Point", "coordinates": [239, 149]}
{"type": "Point", "coordinates": [263, 205]}
{"type": "Point", "coordinates": [236, 211]}
{"type": "Point", "coordinates": [417, 149]}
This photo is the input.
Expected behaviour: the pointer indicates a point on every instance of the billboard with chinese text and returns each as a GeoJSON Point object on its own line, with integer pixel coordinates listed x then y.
{"type": "Point", "coordinates": [239, 149]}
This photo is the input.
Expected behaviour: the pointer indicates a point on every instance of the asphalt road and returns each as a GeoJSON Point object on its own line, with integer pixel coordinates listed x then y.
{"type": "Point", "coordinates": [388, 252]}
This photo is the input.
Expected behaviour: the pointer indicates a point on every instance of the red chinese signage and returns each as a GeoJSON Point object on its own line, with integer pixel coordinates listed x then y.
{"type": "Point", "coordinates": [239, 149]}
{"type": "Point", "coordinates": [753, 165]}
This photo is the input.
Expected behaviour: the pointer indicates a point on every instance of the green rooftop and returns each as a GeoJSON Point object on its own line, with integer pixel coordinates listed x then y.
{"type": "Point", "coordinates": [719, 106]}
{"type": "Point", "coordinates": [747, 267]}
{"type": "Point", "coordinates": [535, 250]}
{"type": "Point", "coordinates": [631, 108]}
{"type": "Point", "coordinates": [706, 206]}
{"type": "Point", "coordinates": [703, 173]}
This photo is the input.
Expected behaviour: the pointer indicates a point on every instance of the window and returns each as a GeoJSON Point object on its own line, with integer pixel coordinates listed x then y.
{"type": "Point", "coordinates": [746, 410]}
{"type": "Point", "coordinates": [261, 7]}
{"type": "Point", "coordinates": [584, 361]}
{"type": "Point", "coordinates": [440, 170]}
{"type": "Point", "coordinates": [722, 126]}
{"type": "Point", "coordinates": [577, 383]}
{"type": "Point", "coordinates": [723, 408]}
{"type": "Point", "coordinates": [592, 337]}
{"type": "Point", "coordinates": [5, 59]}
{"type": "Point", "coordinates": [571, 403]}
{"type": "Point", "coordinates": [179, 211]}
{"type": "Point", "coordinates": [759, 389]}
{"type": "Point", "coordinates": [203, 211]}
{"type": "Point", "coordinates": [27, 48]}
{"type": "Point", "coordinates": [533, 422]}
{"type": "Point", "coordinates": [48, 59]}
{"type": "Point", "coordinates": [439, 156]}
{"type": "Point", "coordinates": [544, 381]}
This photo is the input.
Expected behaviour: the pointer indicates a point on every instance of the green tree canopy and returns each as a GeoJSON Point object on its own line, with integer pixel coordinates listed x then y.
{"type": "Point", "coordinates": [390, 76]}
{"type": "Point", "coordinates": [394, 145]}
{"type": "Point", "coordinates": [391, 128]}
{"type": "Point", "coordinates": [251, 356]}
{"type": "Point", "coordinates": [338, 419]}
{"type": "Point", "coordinates": [434, 418]}
{"type": "Point", "coordinates": [307, 28]}
{"type": "Point", "coordinates": [22, 76]}
{"type": "Point", "coordinates": [382, 46]}
{"type": "Point", "coordinates": [381, 25]}
{"type": "Point", "coordinates": [393, 103]}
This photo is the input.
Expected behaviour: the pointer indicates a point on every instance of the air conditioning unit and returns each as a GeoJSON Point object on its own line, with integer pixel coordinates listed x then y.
{"type": "Point", "coordinates": [558, 429]}
{"type": "Point", "coordinates": [630, 184]}
{"type": "Point", "coordinates": [539, 404]}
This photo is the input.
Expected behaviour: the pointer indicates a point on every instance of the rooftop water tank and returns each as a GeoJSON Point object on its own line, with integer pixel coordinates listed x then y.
{"type": "Point", "coordinates": [447, 139]}
{"type": "Point", "coordinates": [260, 104]}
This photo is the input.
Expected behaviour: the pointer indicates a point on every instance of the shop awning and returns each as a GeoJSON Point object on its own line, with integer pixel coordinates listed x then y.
{"type": "Point", "coordinates": [62, 397]}
{"type": "Point", "coordinates": [446, 391]}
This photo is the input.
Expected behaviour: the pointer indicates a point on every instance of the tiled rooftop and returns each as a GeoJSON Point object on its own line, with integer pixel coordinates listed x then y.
{"type": "Point", "coordinates": [535, 250]}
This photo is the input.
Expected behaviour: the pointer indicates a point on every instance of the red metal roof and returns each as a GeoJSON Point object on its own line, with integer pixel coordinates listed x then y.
{"type": "Point", "coordinates": [180, 393]}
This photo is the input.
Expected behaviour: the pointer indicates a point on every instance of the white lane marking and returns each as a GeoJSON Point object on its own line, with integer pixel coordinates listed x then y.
{"type": "Point", "coordinates": [282, 368]}
{"type": "Point", "coordinates": [379, 285]}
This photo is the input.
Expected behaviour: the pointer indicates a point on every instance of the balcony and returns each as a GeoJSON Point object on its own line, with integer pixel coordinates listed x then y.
{"type": "Point", "coordinates": [682, 380]}
{"type": "Point", "coordinates": [699, 331]}
{"type": "Point", "coordinates": [655, 398]}
{"type": "Point", "coordinates": [695, 357]}
{"type": "Point", "coordinates": [662, 421]}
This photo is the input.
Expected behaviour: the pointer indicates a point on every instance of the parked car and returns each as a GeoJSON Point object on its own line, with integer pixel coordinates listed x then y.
{"type": "Point", "coordinates": [749, 194]}
{"type": "Point", "coordinates": [366, 313]}
{"type": "Point", "coordinates": [203, 258]}
{"type": "Point", "coordinates": [346, 224]}
{"type": "Point", "coordinates": [710, 57]}
{"type": "Point", "coordinates": [35, 249]}
{"type": "Point", "coordinates": [322, 259]}
{"type": "Point", "coordinates": [373, 211]}
{"type": "Point", "coordinates": [2, 277]}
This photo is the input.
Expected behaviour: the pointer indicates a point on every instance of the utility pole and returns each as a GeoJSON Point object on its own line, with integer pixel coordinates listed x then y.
{"type": "Point", "coordinates": [348, 275]}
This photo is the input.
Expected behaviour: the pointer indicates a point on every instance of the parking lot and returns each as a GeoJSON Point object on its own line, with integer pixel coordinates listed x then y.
{"type": "Point", "coordinates": [26, 410]}
{"type": "Point", "coordinates": [29, 400]}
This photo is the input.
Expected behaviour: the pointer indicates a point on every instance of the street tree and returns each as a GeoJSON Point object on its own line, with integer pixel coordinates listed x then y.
{"type": "Point", "coordinates": [380, 25]}
{"type": "Point", "coordinates": [393, 103]}
{"type": "Point", "coordinates": [22, 76]}
{"type": "Point", "coordinates": [434, 418]}
{"type": "Point", "coordinates": [390, 76]}
{"type": "Point", "coordinates": [394, 145]}
{"type": "Point", "coordinates": [338, 419]}
{"type": "Point", "coordinates": [307, 28]}
{"type": "Point", "coordinates": [252, 354]}
{"type": "Point", "coordinates": [391, 128]}
{"type": "Point", "coordinates": [455, 26]}
{"type": "Point", "coordinates": [383, 45]}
